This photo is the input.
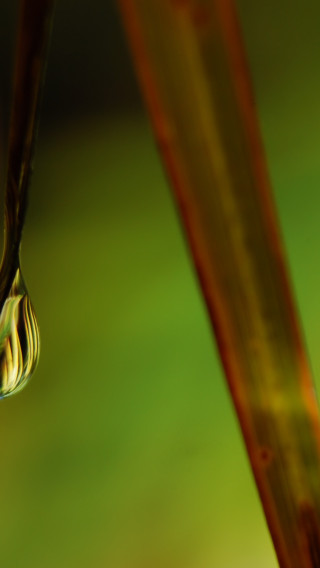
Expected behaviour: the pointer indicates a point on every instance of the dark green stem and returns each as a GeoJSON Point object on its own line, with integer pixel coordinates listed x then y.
{"type": "Point", "coordinates": [34, 26]}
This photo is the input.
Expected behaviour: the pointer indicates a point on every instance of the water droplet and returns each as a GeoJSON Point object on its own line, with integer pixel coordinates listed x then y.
{"type": "Point", "coordinates": [19, 339]}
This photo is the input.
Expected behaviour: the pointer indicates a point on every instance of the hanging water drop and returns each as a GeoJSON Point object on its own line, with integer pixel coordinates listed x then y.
{"type": "Point", "coordinates": [19, 339]}
{"type": "Point", "coordinates": [19, 333]}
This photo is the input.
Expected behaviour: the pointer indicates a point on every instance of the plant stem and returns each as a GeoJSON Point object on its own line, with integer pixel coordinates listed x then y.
{"type": "Point", "coordinates": [35, 18]}
{"type": "Point", "coordinates": [191, 64]}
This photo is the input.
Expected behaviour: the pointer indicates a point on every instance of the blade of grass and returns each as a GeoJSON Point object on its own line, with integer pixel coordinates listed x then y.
{"type": "Point", "coordinates": [35, 17]}
{"type": "Point", "coordinates": [191, 64]}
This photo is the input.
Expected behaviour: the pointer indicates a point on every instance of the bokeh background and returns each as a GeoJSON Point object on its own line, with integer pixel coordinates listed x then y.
{"type": "Point", "coordinates": [124, 451]}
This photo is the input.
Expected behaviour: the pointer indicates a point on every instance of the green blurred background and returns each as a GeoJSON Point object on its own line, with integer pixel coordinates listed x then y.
{"type": "Point", "coordinates": [124, 451]}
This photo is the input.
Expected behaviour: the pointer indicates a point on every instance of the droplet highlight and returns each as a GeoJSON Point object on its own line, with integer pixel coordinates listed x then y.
{"type": "Point", "coordinates": [19, 339]}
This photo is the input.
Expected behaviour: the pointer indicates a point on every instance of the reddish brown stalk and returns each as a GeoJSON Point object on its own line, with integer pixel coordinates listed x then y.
{"type": "Point", "coordinates": [190, 60]}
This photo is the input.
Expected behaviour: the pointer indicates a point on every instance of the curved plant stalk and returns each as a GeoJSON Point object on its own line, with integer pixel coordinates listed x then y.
{"type": "Point", "coordinates": [190, 61]}
{"type": "Point", "coordinates": [35, 18]}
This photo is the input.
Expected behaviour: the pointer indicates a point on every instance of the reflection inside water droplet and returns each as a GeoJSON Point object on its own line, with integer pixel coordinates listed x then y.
{"type": "Point", "coordinates": [19, 339]}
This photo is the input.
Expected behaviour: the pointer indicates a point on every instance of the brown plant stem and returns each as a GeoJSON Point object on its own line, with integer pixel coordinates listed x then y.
{"type": "Point", "coordinates": [190, 61]}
